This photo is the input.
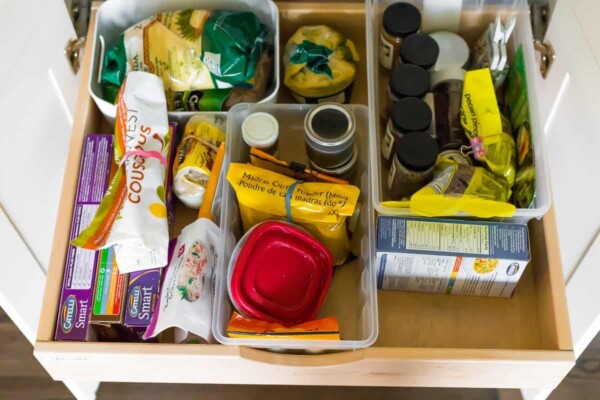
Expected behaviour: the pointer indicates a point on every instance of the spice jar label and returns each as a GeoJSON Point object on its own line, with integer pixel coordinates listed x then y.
{"type": "Point", "coordinates": [386, 52]}
{"type": "Point", "coordinates": [387, 145]}
{"type": "Point", "coordinates": [391, 176]}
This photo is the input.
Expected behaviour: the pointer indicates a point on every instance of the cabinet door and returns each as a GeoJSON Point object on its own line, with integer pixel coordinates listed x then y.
{"type": "Point", "coordinates": [569, 103]}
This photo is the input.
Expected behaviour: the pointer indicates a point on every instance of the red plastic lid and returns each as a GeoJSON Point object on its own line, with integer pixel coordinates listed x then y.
{"type": "Point", "coordinates": [281, 274]}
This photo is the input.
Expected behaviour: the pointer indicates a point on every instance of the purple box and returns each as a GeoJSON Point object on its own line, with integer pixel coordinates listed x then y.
{"type": "Point", "coordinates": [80, 267]}
{"type": "Point", "coordinates": [142, 295]}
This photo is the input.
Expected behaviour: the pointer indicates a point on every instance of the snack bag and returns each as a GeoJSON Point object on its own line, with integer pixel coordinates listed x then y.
{"type": "Point", "coordinates": [133, 214]}
{"type": "Point", "coordinates": [463, 188]}
{"type": "Point", "coordinates": [186, 294]}
{"type": "Point", "coordinates": [490, 136]}
{"type": "Point", "coordinates": [320, 208]}
{"type": "Point", "coordinates": [190, 50]}
{"type": "Point", "coordinates": [195, 158]}
{"type": "Point", "coordinates": [322, 329]}
{"type": "Point", "coordinates": [320, 65]}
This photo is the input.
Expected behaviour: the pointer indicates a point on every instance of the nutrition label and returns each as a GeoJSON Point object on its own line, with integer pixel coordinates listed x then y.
{"type": "Point", "coordinates": [415, 273]}
{"type": "Point", "coordinates": [80, 263]}
{"type": "Point", "coordinates": [442, 237]}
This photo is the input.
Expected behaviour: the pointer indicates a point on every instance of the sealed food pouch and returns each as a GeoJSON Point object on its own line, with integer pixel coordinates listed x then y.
{"type": "Point", "coordinates": [190, 50]}
{"type": "Point", "coordinates": [320, 65]}
{"type": "Point", "coordinates": [321, 329]}
{"type": "Point", "coordinates": [195, 158]}
{"type": "Point", "coordinates": [319, 208]}
{"type": "Point", "coordinates": [463, 188]}
{"type": "Point", "coordinates": [132, 216]}
{"type": "Point", "coordinates": [186, 294]}
{"type": "Point", "coordinates": [488, 132]}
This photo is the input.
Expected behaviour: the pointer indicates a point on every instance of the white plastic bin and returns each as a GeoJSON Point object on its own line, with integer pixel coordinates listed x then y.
{"type": "Point", "coordinates": [474, 15]}
{"type": "Point", "coordinates": [114, 16]}
{"type": "Point", "coordinates": [352, 296]}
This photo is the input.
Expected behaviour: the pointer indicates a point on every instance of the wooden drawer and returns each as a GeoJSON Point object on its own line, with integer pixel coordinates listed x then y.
{"type": "Point", "coordinates": [424, 340]}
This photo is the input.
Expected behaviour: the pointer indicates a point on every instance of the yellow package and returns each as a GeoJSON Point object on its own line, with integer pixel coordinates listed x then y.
{"type": "Point", "coordinates": [321, 329]}
{"type": "Point", "coordinates": [320, 208]}
{"type": "Point", "coordinates": [463, 188]}
{"type": "Point", "coordinates": [195, 158]}
{"type": "Point", "coordinates": [491, 140]}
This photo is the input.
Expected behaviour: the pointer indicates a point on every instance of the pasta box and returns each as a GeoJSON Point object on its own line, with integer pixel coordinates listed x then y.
{"type": "Point", "coordinates": [450, 256]}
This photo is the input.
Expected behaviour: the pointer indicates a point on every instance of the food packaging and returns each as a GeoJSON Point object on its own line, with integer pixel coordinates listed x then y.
{"type": "Point", "coordinates": [142, 296]}
{"type": "Point", "coordinates": [322, 329]}
{"type": "Point", "coordinates": [76, 299]}
{"type": "Point", "coordinates": [195, 157]}
{"type": "Point", "coordinates": [450, 256]}
{"type": "Point", "coordinates": [110, 290]}
{"type": "Point", "coordinates": [279, 273]}
{"type": "Point", "coordinates": [491, 140]}
{"type": "Point", "coordinates": [319, 208]}
{"type": "Point", "coordinates": [320, 65]}
{"type": "Point", "coordinates": [186, 294]}
{"type": "Point", "coordinates": [133, 214]}
{"type": "Point", "coordinates": [211, 205]}
{"type": "Point", "coordinates": [190, 50]}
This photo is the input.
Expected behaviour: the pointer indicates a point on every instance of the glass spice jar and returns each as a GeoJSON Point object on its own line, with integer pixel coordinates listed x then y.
{"type": "Point", "coordinates": [399, 21]}
{"type": "Point", "coordinates": [412, 167]}
{"type": "Point", "coordinates": [261, 130]}
{"type": "Point", "coordinates": [447, 89]}
{"type": "Point", "coordinates": [406, 80]}
{"type": "Point", "coordinates": [408, 115]}
{"type": "Point", "coordinates": [420, 49]}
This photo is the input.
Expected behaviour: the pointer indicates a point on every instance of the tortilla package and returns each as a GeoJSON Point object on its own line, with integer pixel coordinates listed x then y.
{"type": "Point", "coordinates": [187, 291]}
{"type": "Point", "coordinates": [191, 51]}
{"type": "Point", "coordinates": [132, 216]}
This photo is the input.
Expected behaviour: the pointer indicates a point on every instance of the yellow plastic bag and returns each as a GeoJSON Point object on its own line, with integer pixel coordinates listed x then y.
{"type": "Point", "coordinates": [483, 124]}
{"type": "Point", "coordinates": [463, 188]}
{"type": "Point", "coordinates": [320, 208]}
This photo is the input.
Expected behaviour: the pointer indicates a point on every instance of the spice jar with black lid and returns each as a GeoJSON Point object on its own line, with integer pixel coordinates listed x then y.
{"type": "Point", "coordinates": [406, 80]}
{"type": "Point", "coordinates": [399, 21]}
{"type": "Point", "coordinates": [420, 49]}
{"type": "Point", "coordinates": [412, 167]}
{"type": "Point", "coordinates": [408, 115]}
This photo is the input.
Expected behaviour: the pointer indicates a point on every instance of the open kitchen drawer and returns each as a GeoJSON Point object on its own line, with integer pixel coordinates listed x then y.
{"type": "Point", "coordinates": [424, 339]}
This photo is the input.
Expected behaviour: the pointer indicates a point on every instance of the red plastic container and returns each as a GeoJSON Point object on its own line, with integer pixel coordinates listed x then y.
{"type": "Point", "coordinates": [280, 274]}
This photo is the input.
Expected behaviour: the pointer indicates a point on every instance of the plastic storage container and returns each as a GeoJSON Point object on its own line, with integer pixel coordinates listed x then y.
{"type": "Point", "coordinates": [352, 295]}
{"type": "Point", "coordinates": [473, 16]}
{"type": "Point", "coordinates": [114, 16]}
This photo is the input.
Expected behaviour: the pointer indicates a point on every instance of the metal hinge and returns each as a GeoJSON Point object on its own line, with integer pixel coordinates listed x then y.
{"type": "Point", "coordinates": [73, 53]}
{"type": "Point", "coordinates": [540, 18]}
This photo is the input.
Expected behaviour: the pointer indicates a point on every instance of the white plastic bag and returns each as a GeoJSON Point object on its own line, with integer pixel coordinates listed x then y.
{"type": "Point", "coordinates": [187, 290]}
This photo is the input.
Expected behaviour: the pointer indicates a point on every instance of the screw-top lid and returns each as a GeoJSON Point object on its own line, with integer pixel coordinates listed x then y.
{"type": "Point", "coordinates": [411, 114]}
{"type": "Point", "coordinates": [420, 49]}
{"type": "Point", "coordinates": [417, 152]}
{"type": "Point", "coordinates": [409, 80]}
{"type": "Point", "coordinates": [401, 19]}
{"type": "Point", "coordinates": [260, 130]}
{"type": "Point", "coordinates": [329, 125]}
{"type": "Point", "coordinates": [454, 51]}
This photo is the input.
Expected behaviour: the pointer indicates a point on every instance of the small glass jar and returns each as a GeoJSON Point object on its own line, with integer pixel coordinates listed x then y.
{"type": "Point", "coordinates": [329, 135]}
{"type": "Point", "coordinates": [408, 115]}
{"type": "Point", "coordinates": [261, 130]}
{"type": "Point", "coordinates": [345, 172]}
{"type": "Point", "coordinates": [406, 80]}
{"type": "Point", "coordinates": [447, 89]}
{"type": "Point", "coordinates": [412, 167]}
{"type": "Point", "coordinates": [420, 49]}
{"type": "Point", "coordinates": [399, 21]}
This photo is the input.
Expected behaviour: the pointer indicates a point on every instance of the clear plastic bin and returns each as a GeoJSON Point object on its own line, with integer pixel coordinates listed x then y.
{"type": "Point", "coordinates": [474, 15]}
{"type": "Point", "coordinates": [114, 16]}
{"type": "Point", "coordinates": [352, 296]}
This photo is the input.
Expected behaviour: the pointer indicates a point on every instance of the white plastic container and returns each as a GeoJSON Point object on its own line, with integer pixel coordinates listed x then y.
{"type": "Point", "coordinates": [114, 16]}
{"type": "Point", "coordinates": [352, 297]}
{"type": "Point", "coordinates": [474, 15]}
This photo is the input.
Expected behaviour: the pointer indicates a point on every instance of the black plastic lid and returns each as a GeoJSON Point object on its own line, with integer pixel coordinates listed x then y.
{"type": "Point", "coordinates": [420, 49]}
{"type": "Point", "coordinates": [330, 123]}
{"type": "Point", "coordinates": [401, 19]}
{"type": "Point", "coordinates": [409, 80]}
{"type": "Point", "coordinates": [417, 152]}
{"type": "Point", "coordinates": [411, 114]}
